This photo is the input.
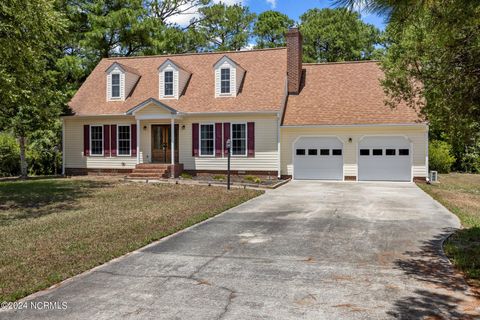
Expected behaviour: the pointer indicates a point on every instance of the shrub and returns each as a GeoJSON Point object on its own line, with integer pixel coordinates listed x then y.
{"type": "Point", "coordinates": [253, 179]}
{"type": "Point", "coordinates": [185, 175]}
{"type": "Point", "coordinates": [440, 156]}
{"type": "Point", "coordinates": [9, 156]}
{"type": "Point", "coordinates": [44, 153]}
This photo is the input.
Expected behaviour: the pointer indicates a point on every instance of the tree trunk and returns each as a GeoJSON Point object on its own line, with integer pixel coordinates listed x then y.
{"type": "Point", "coordinates": [23, 159]}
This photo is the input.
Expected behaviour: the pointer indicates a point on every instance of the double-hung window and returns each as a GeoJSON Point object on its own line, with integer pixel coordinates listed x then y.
{"type": "Point", "coordinates": [225, 80]}
{"type": "Point", "coordinates": [96, 140]}
{"type": "Point", "coordinates": [123, 140]}
{"type": "Point", "coordinates": [239, 139]}
{"type": "Point", "coordinates": [207, 140]}
{"type": "Point", "coordinates": [115, 85]}
{"type": "Point", "coordinates": [168, 83]}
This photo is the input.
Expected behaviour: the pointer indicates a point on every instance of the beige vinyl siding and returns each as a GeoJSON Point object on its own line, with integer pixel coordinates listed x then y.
{"type": "Point", "coordinates": [74, 157]}
{"type": "Point", "coordinates": [415, 133]}
{"type": "Point", "coordinates": [236, 76]}
{"type": "Point", "coordinates": [152, 109]}
{"type": "Point", "coordinates": [266, 156]}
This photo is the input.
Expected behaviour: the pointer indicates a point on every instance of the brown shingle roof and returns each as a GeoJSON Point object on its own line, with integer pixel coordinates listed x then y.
{"type": "Point", "coordinates": [263, 86]}
{"type": "Point", "coordinates": [344, 94]}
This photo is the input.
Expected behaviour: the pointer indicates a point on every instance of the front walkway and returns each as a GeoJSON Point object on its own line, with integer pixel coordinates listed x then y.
{"type": "Point", "coordinates": [306, 250]}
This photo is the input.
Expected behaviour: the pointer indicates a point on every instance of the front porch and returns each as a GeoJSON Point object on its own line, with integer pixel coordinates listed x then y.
{"type": "Point", "coordinates": [157, 140]}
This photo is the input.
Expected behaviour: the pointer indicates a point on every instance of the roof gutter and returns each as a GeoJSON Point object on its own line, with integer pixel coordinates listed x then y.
{"type": "Point", "coordinates": [423, 124]}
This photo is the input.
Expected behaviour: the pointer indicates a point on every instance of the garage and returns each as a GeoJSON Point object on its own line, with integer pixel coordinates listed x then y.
{"type": "Point", "coordinates": [385, 158]}
{"type": "Point", "coordinates": [318, 158]}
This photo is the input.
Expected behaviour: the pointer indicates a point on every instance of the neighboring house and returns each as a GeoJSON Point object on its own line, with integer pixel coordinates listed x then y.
{"type": "Point", "coordinates": [284, 118]}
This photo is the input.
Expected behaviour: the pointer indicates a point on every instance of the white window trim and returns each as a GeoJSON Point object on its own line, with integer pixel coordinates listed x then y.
{"type": "Point", "coordinates": [103, 140]}
{"type": "Point", "coordinates": [200, 140]}
{"type": "Point", "coordinates": [173, 84]}
{"type": "Point", "coordinates": [129, 143]}
{"type": "Point", "coordinates": [224, 94]}
{"type": "Point", "coordinates": [246, 139]}
{"type": "Point", "coordinates": [119, 85]}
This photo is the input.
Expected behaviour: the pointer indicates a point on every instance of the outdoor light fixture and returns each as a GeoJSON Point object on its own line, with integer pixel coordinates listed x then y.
{"type": "Point", "coordinates": [144, 127]}
{"type": "Point", "coordinates": [183, 127]}
{"type": "Point", "coordinates": [350, 140]}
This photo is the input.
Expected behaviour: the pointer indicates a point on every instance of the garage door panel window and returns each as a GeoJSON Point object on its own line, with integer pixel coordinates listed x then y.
{"type": "Point", "coordinates": [324, 152]}
{"type": "Point", "coordinates": [403, 152]}
{"type": "Point", "coordinates": [300, 152]}
{"type": "Point", "coordinates": [312, 152]}
{"type": "Point", "coordinates": [336, 152]}
{"type": "Point", "coordinates": [377, 152]}
{"type": "Point", "coordinates": [364, 152]}
{"type": "Point", "coordinates": [390, 152]}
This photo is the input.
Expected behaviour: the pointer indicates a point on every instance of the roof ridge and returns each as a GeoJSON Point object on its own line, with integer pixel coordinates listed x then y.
{"type": "Point", "coordinates": [339, 62]}
{"type": "Point", "coordinates": [194, 54]}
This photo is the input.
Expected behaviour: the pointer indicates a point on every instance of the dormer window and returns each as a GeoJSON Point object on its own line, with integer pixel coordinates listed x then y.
{"type": "Point", "coordinates": [168, 83]}
{"type": "Point", "coordinates": [228, 78]}
{"type": "Point", "coordinates": [172, 80]}
{"type": "Point", "coordinates": [115, 85]}
{"type": "Point", "coordinates": [121, 80]}
{"type": "Point", "coordinates": [225, 81]}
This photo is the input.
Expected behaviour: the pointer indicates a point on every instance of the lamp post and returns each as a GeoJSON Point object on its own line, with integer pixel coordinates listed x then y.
{"type": "Point", "coordinates": [229, 145]}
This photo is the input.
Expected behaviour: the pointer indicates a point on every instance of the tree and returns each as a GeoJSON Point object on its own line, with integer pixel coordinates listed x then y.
{"type": "Point", "coordinates": [432, 63]}
{"type": "Point", "coordinates": [225, 27]}
{"type": "Point", "coordinates": [29, 31]}
{"type": "Point", "coordinates": [337, 35]}
{"type": "Point", "coordinates": [270, 29]}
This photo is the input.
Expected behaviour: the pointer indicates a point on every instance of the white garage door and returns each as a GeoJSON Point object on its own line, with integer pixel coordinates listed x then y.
{"type": "Point", "coordinates": [318, 158]}
{"type": "Point", "coordinates": [384, 159]}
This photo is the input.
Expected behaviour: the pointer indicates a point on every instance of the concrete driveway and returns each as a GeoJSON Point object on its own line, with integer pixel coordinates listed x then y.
{"type": "Point", "coordinates": [306, 250]}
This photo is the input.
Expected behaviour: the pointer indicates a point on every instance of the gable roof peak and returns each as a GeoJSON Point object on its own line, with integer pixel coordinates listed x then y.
{"type": "Point", "coordinates": [226, 58]}
{"type": "Point", "coordinates": [123, 67]}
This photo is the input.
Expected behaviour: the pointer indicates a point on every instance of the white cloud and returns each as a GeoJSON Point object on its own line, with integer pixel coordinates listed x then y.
{"type": "Point", "coordinates": [272, 3]}
{"type": "Point", "coordinates": [185, 18]}
{"type": "Point", "coordinates": [249, 46]}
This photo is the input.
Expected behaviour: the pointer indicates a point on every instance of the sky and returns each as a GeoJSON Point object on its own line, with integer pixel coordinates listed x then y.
{"type": "Point", "coordinates": [293, 8]}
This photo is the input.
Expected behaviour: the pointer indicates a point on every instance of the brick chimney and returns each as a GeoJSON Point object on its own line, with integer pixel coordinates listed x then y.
{"type": "Point", "coordinates": [294, 60]}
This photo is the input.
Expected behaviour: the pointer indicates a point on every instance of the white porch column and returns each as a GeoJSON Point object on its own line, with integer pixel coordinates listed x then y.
{"type": "Point", "coordinates": [172, 149]}
{"type": "Point", "coordinates": [138, 141]}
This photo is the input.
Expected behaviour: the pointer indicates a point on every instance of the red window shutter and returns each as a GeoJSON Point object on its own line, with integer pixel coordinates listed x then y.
{"type": "Point", "coordinates": [218, 140]}
{"type": "Point", "coordinates": [86, 140]}
{"type": "Point", "coordinates": [251, 139]}
{"type": "Point", "coordinates": [133, 136]}
{"type": "Point", "coordinates": [195, 139]}
{"type": "Point", "coordinates": [226, 136]}
{"type": "Point", "coordinates": [113, 140]}
{"type": "Point", "coordinates": [106, 140]}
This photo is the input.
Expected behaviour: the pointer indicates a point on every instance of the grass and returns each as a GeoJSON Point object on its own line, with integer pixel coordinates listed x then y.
{"type": "Point", "coordinates": [53, 229]}
{"type": "Point", "coordinates": [460, 193]}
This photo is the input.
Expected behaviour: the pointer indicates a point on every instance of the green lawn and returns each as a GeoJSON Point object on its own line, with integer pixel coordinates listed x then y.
{"type": "Point", "coordinates": [460, 193]}
{"type": "Point", "coordinates": [53, 229]}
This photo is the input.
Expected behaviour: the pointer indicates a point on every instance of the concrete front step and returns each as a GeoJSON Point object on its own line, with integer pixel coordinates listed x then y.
{"type": "Point", "coordinates": [152, 166]}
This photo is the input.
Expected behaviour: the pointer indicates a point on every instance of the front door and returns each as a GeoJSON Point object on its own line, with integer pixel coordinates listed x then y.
{"type": "Point", "coordinates": [161, 143]}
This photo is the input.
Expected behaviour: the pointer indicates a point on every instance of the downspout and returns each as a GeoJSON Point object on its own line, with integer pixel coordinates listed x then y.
{"type": "Point", "coordinates": [279, 123]}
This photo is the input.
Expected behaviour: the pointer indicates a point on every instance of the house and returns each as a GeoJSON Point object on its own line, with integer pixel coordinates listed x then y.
{"type": "Point", "coordinates": [155, 115]}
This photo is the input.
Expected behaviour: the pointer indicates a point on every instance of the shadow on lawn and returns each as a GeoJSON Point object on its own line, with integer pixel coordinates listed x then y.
{"type": "Point", "coordinates": [449, 296]}
{"type": "Point", "coordinates": [36, 198]}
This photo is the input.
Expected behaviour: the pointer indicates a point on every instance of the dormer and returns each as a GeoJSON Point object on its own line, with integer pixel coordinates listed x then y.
{"type": "Point", "coordinates": [121, 80]}
{"type": "Point", "coordinates": [172, 80]}
{"type": "Point", "coordinates": [228, 77]}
